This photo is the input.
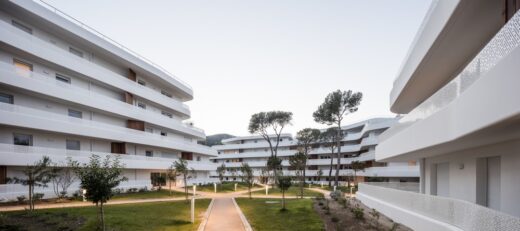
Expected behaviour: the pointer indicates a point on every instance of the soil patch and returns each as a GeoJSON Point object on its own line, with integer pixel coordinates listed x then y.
{"type": "Point", "coordinates": [42, 221]}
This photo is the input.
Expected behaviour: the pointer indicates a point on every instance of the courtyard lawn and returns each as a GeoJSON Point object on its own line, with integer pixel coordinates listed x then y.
{"type": "Point", "coordinates": [162, 216]}
{"type": "Point", "coordinates": [147, 195]}
{"type": "Point", "coordinates": [225, 187]}
{"type": "Point", "coordinates": [292, 192]}
{"type": "Point", "coordinates": [300, 214]}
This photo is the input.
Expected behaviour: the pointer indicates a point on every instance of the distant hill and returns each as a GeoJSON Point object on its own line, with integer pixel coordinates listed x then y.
{"type": "Point", "coordinates": [215, 139]}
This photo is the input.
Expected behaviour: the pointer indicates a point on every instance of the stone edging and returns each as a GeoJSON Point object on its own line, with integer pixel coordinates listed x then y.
{"type": "Point", "coordinates": [247, 226]}
{"type": "Point", "coordinates": [202, 225]}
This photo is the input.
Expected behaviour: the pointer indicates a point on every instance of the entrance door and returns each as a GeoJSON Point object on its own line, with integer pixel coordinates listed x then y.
{"type": "Point", "coordinates": [443, 179]}
{"type": "Point", "coordinates": [493, 182]}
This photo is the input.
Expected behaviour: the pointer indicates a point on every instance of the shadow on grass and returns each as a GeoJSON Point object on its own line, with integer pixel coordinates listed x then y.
{"type": "Point", "coordinates": [180, 222]}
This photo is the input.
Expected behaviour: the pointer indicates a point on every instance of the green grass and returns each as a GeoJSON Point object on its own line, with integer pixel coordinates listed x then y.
{"type": "Point", "coordinates": [147, 195]}
{"type": "Point", "coordinates": [225, 187]}
{"type": "Point", "coordinates": [262, 216]}
{"type": "Point", "coordinates": [293, 191]}
{"type": "Point", "coordinates": [164, 216]}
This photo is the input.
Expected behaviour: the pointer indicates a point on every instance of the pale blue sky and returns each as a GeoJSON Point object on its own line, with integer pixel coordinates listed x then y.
{"type": "Point", "coordinates": [242, 57]}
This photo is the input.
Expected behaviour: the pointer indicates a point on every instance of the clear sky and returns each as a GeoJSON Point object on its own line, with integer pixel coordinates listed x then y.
{"type": "Point", "coordinates": [243, 57]}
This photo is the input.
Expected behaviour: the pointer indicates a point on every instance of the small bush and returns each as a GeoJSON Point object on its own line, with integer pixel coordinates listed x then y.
{"type": "Point", "coordinates": [63, 194]}
{"type": "Point", "coordinates": [334, 219]}
{"type": "Point", "coordinates": [320, 203]}
{"type": "Point", "coordinates": [38, 196]}
{"type": "Point", "coordinates": [358, 212]}
{"type": "Point", "coordinates": [116, 191]}
{"type": "Point", "coordinates": [20, 198]}
{"type": "Point", "coordinates": [337, 194]}
{"type": "Point", "coordinates": [394, 226]}
{"type": "Point", "coordinates": [132, 190]}
{"type": "Point", "coordinates": [144, 189]}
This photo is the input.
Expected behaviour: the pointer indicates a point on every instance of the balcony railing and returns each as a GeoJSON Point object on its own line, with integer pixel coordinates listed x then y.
{"type": "Point", "coordinates": [109, 40]}
{"type": "Point", "coordinates": [45, 80]}
{"type": "Point", "coordinates": [501, 45]}
{"type": "Point", "coordinates": [458, 213]}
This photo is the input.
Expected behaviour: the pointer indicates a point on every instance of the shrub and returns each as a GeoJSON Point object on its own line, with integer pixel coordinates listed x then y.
{"type": "Point", "coordinates": [144, 189]}
{"type": "Point", "coordinates": [334, 219]}
{"type": "Point", "coordinates": [63, 194]}
{"type": "Point", "coordinates": [394, 226]}
{"type": "Point", "coordinates": [38, 196]}
{"type": "Point", "coordinates": [337, 194]}
{"type": "Point", "coordinates": [21, 198]}
{"type": "Point", "coordinates": [358, 212]}
{"type": "Point", "coordinates": [320, 203]}
{"type": "Point", "coordinates": [132, 190]}
{"type": "Point", "coordinates": [116, 191]}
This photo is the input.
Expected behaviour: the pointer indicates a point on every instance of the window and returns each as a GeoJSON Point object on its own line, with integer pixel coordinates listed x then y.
{"type": "Point", "coordinates": [166, 93]}
{"type": "Point", "coordinates": [23, 66]}
{"type": "Point", "coordinates": [164, 133]}
{"type": "Point", "coordinates": [22, 139]}
{"type": "Point", "coordinates": [75, 113]}
{"type": "Point", "coordinates": [73, 145]}
{"type": "Point", "coordinates": [76, 52]}
{"type": "Point", "coordinates": [141, 105]}
{"type": "Point", "coordinates": [21, 26]}
{"type": "Point", "coordinates": [167, 114]}
{"type": "Point", "coordinates": [62, 78]}
{"type": "Point", "coordinates": [141, 82]}
{"type": "Point", "coordinates": [6, 98]}
{"type": "Point", "coordinates": [149, 153]}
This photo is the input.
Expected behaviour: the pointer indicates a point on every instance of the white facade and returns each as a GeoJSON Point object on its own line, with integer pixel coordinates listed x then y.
{"type": "Point", "coordinates": [358, 144]}
{"type": "Point", "coordinates": [458, 93]}
{"type": "Point", "coordinates": [67, 91]}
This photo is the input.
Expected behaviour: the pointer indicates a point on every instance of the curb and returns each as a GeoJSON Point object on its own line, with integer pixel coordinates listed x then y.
{"type": "Point", "coordinates": [247, 226]}
{"type": "Point", "coordinates": [202, 225]}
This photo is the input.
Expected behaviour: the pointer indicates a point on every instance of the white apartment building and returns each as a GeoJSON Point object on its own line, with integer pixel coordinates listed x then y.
{"type": "Point", "coordinates": [458, 91]}
{"type": "Point", "coordinates": [68, 91]}
{"type": "Point", "coordinates": [358, 144]}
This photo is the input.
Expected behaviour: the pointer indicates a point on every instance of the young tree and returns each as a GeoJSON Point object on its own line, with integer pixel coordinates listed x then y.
{"type": "Point", "coordinates": [336, 106]}
{"type": "Point", "coordinates": [284, 183]}
{"type": "Point", "coordinates": [181, 167]}
{"type": "Point", "coordinates": [99, 178]}
{"type": "Point", "coordinates": [36, 175]}
{"type": "Point", "coordinates": [297, 163]}
{"type": "Point", "coordinates": [319, 173]}
{"type": "Point", "coordinates": [357, 166]}
{"type": "Point", "coordinates": [306, 137]}
{"type": "Point", "coordinates": [247, 176]}
{"type": "Point", "coordinates": [171, 175]}
{"type": "Point", "coordinates": [265, 123]}
{"type": "Point", "coordinates": [221, 170]}
{"type": "Point", "coordinates": [330, 137]}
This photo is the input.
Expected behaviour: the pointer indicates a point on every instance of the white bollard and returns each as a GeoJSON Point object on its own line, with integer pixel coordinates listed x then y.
{"type": "Point", "coordinates": [84, 197]}
{"type": "Point", "coordinates": [194, 190]}
{"type": "Point", "coordinates": [334, 188]}
{"type": "Point", "coordinates": [235, 187]}
{"type": "Point", "coordinates": [266, 190]}
{"type": "Point", "coordinates": [215, 187]}
{"type": "Point", "coordinates": [322, 184]}
{"type": "Point", "coordinates": [350, 191]}
{"type": "Point", "coordinates": [193, 210]}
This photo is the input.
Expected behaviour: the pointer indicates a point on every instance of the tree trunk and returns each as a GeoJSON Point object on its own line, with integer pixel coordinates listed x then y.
{"type": "Point", "coordinates": [338, 142]}
{"type": "Point", "coordinates": [283, 199]}
{"type": "Point", "coordinates": [102, 216]}
{"type": "Point", "coordinates": [250, 191]}
{"type": "Point", "coordinates": [31, 193]}
{"type": "Point", "coordinates": [330, 169]}
{"type": "Point", "coordinates": [185, 187]}
{"type": "Point", "coordinates": [170, 186]}
{"type": "Point", "coordinates": [302, 184]}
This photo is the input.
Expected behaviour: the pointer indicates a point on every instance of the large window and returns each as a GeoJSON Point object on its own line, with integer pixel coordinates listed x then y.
{"type": "Point", "coordinates": [22, 139]}
{"type": "Point", "coordinates": [6, 98]}
{"type": "Point", "coordinates": [21, 26]}
{"type": "Point", "coordinates": [73, 145]}
{"type": "Point", "coordinates": [149, 153]}
{"type": "Point", "coordinates": [75, 113]}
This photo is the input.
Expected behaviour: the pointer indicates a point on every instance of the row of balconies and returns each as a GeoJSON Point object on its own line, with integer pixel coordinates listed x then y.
{"type": "Point", "coordinates": [44, 50]}
{"type": "Point", "coordinates": [42, 84]}
{"type": "Point", "coordinates": [15, 115]}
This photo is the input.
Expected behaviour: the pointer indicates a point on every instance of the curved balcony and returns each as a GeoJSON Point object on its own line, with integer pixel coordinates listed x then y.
{"type": "Point", "coordinates": [15, 115]}
{"type": "Point", "coordinates": [42, 84]}
{"type": "Point", "coordinates": [44, 50]}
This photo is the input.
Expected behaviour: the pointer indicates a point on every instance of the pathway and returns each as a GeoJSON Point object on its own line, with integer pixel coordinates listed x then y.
{"type": "Point", "coordinates": [224, 216]}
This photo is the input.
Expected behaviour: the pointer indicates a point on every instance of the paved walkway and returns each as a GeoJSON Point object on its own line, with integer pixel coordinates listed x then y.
{"type": "Point", "coordinates": [224, 216]}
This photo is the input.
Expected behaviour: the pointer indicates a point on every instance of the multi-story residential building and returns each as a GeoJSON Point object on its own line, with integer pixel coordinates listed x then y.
{"type": "Point", "coordinates": [458, 93]}
{"type": "Point", "coordinates": [358, 144]}
{"type": "Point", "coordinates": [68, 91]}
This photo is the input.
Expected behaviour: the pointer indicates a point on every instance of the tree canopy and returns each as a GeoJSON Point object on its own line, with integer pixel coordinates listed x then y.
{"type": "Point", "coordinates": [336, 105]}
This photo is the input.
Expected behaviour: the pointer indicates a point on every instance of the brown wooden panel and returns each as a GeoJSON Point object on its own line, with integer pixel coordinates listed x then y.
{"type": "Point", "coordinates": [132, 75]}
{"type": "Point", "coordinates": [187, 156]}
{"type": "Point", "coordinates": [129, 98]}
{"type": "Point", "coordinates": [135, 124]}
{"type": "Point", "coordinates": [3, 175]}
{"type": "Point", "coordinates": [119, 148]}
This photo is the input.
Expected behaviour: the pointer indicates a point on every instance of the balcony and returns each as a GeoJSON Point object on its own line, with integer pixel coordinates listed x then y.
{"type": "Point", "coordinates": [402, 203]}
{"type": "Point", "coordinates": [15, 115]}
{"type": "Point", "coordinates": [485, 87]}
{"type": "Point", "coordinates": [43, 84]}
{"type": "Point", "coordinates": [42, 49]}
{"type": "Point", "coordinates": [17, 155]}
